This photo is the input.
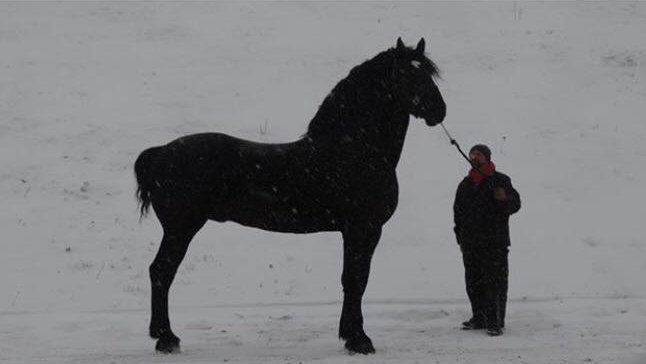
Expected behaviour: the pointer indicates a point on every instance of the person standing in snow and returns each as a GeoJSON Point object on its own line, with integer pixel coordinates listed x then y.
{"type": "Point", "coordinates": [483, 203]}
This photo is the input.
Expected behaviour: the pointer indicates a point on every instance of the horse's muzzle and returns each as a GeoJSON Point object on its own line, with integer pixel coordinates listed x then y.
{"type": "Point", "coordinates": [432, 121]}
{"type": "Point", "coordinates": [438, 114]}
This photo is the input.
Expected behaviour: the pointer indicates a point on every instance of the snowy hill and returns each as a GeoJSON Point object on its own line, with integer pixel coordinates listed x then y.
{"type": "Point", "coordinates": [556, 89]}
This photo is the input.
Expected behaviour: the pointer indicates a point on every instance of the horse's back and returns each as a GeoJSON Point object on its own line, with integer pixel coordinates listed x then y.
{"type": "Point", "coordinates": [217, 161]}
{"type": "Point", "coordinates": [212, 142]}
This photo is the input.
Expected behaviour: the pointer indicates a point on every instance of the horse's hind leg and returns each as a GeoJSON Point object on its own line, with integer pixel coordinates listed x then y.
{"type": "Point", "coordinates": [177, 236]}
{"type": "Point", "coordinates": [359, 243]}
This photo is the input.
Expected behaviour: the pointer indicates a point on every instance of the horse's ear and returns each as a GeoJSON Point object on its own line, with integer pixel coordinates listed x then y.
{"type": "Point", "coordinates": [420, 46]}
{"type": "Point", "coordinates": [400, 44]}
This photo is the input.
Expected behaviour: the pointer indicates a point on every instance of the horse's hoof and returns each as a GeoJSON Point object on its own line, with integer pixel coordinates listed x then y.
{"type": "Point", "coordinates": [168, 345]}
{"type": "Point", "coordinates": [362, 345]}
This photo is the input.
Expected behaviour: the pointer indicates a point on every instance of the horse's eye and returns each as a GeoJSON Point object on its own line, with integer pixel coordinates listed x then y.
{"type": "Point", "coordinates": [416, 64]}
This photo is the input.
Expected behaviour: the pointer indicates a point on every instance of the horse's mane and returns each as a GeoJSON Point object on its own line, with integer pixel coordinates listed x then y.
{"type": "Point", "coordinates": [365, 79]}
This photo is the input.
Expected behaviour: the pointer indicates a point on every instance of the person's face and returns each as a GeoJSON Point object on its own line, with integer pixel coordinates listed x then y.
{"type": "Point", "coordinates": [477, 158]}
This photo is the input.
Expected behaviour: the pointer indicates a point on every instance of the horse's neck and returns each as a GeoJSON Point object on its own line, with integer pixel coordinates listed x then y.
{"type": "Point", "coordinates": [361, 118]}
{"type": "Point", "coordinates": [394, 139]}
{"type": "Point", "coordinates": [377, 136]}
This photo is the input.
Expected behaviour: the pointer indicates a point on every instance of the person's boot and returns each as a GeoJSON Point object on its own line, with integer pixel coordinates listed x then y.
{"type": "Point", "coordinates": [494, 331]}
{"type": "Point", "coordinates": [472, 324]}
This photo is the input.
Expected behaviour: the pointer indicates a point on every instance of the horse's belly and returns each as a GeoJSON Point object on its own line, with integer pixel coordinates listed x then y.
{"type": "Point", "coordinates": [267, 212]}
{"type": "Point", "coordinates": [291, 221]}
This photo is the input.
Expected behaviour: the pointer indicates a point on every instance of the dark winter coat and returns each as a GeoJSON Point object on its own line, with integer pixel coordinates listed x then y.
{"type": "Point", "coordinates": [480, 219]}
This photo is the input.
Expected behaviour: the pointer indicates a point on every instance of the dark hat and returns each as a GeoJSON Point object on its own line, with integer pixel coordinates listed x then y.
{"type": "Point", "coordinates": [482, 149]}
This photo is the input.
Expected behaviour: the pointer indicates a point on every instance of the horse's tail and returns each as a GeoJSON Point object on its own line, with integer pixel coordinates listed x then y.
{"type": "Point", "coordinates": [145, 181]}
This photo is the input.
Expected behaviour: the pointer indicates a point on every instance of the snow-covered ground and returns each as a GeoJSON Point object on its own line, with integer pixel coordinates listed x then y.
{"type": "Point", "coordinates": [557, 89]}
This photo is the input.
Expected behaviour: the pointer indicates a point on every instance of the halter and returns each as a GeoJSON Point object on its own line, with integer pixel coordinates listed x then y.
{"type": "Point", "coordinates": [454, 142]}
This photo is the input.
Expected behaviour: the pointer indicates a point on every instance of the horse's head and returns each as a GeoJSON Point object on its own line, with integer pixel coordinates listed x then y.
{"type": "Point", "coordinates": [414, 84]}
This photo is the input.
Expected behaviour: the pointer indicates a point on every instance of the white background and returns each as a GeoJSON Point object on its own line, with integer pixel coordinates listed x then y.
{"type": "Point", "coordinates": [557, 90]}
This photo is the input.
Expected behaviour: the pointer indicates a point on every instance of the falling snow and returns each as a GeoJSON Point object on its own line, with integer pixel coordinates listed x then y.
{"type": "Point", "coordinates": [556, 89]}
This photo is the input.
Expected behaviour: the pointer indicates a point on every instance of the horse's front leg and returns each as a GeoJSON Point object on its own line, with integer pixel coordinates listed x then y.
{"type": "Point", "coordinates": [359, 243]}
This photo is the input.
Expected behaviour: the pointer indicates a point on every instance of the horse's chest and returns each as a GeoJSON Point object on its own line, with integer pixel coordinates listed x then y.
{"type": "Point", "coordinates": [373, 198]}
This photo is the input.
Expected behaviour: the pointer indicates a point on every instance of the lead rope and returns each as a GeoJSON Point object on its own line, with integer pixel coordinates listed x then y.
{"type": "Point", "coordinates": [454, 142]}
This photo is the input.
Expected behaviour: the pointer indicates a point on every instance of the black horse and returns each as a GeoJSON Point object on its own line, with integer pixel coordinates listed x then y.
{"type": "Point", "coordinates": [340, 176]}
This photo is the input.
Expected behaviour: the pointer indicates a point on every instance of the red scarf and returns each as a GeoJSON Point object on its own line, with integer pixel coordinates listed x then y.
{"type": "Point", "coordinates": [477, 177]}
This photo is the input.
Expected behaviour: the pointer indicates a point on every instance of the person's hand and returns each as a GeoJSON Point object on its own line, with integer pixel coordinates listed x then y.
{"type": "Point", "coordinates": [500, 194]}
